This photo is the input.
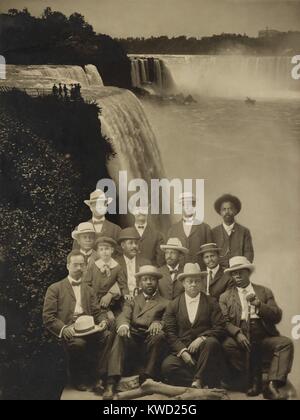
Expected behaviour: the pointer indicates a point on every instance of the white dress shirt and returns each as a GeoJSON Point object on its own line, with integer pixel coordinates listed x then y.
{"type": "Point", "coordinates": [141, 229]}
{"type": "Point", "coordinates": [77, 293]}
{"type": "Point", "coordinates": [243, 293]}
{"type": "Point", "coordinates": [173, 276]}
{"type": "Point", "coordinates": [188, 224]}
{"type": "Point", "coordinates": [229, 229]}
{"type": "Point", "coordinates": [192, 305]}
{"type": "Point", "coordinates": [131, 271]}
{"type": "Point", "coordinates": [98, 224]}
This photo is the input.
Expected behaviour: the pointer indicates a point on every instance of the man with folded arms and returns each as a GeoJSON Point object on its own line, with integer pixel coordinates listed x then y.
{"type": "Point", "coordinates": [252, 314]}
{"type": "Point", "coordinates": [140, 340]}
{"type": "Point", "coordinates": [194, 326]}
{"type": "Point", "coordinates": [68, 303]}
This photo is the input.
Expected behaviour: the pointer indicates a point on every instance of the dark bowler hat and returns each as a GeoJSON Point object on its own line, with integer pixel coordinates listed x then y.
{"type": "Point", "coordinates": [128, 234]}
{"type": "Point", "coordinates": [228, 198]}
{"type": "Point", "coordinates": [104, 240]}
{"type": "Point", "coordinates": [208, 248]}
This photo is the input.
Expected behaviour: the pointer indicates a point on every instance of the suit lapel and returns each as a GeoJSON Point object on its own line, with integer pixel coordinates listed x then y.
{"type": "Point", "coordinates": [217, 277]}
{"type": "Point", "coordinates": [70, 289]}
{"type": "Point", "coordinates": [184, 311]}
{"type": "Point", "coordinates": [147, 305]}
{"type": "Point", "coordinates": [236, 304]}
{"type": "Point", "coordinates": [84, 301]}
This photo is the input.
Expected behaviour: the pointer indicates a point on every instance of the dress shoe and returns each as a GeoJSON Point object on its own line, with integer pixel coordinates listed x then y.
{"type": "Point", "coordinates": [81, 387]}
{"type": "Point", "coordinates": [272, 392]}
{"type": "Point", "coordinates": [197, 384]}
{"type": "Point", "coordinates": [98, 388]}
{"type": "Point", "coordinates": [109, 393]}
{"type": "Point", "coordinates": [254, 391]}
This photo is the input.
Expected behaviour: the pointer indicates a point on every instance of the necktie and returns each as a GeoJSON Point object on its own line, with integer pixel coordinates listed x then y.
{"type": "Point", "coordinates": [209, 282]}
{"type": "Point", "coordinates": [76, 283]}
{"type": "Point", "coordinates": [245, 304]}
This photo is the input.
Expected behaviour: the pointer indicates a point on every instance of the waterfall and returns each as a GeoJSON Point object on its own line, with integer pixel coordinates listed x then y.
{"type": "Point", "coordinates": [45, 76]}
{"type": "Point", "coordinates": [232, 75]}
{"type": "Point", "coordinates": [123, 119]}
{"type": "Point", "coordinates": [151, 74]}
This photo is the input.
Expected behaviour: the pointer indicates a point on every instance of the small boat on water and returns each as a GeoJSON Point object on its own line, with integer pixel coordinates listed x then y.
{"type": "Point", "coordinates": [250, 101]}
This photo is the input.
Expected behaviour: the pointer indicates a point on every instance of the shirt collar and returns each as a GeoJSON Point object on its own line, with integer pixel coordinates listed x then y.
{"type": "Point", "coordinates": [150, 297]}
{"type": "Point", "coordinates": [128, 260]}
{"type": "Point", "coordinates": [100, 220]}
{"type": "Point", "coordinates": [192, 300]}
{"type": "Point", "coordinates": [189, 220]}
{"type": "Point", "coordinates": [173, 269]}
{"type": "Point", "coordinates": [230, 228]}
{"type": "Point", "coordinates": [248, 289]}
{"type": "Point", "coordinates": [112, 263]}
{"type": "Point", "coordinates": [71, 280]}
{"type": "Point", "coordinates": [88, 253]}
{"type": "Point", "coordinates": [214, 270]}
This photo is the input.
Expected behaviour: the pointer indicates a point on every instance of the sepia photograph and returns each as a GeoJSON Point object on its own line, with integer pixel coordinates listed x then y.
{"type": "Point", "coordinates": [150, 202]}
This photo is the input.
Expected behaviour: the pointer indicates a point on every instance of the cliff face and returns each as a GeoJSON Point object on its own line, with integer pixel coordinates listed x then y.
{"type": "Point", "coordinates": [51, 156]}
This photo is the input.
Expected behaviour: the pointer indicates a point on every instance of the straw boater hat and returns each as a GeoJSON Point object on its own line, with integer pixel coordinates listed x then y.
{"type": "Point", "coordinates": [85, 325]}
{"type": "Point", "coordinates": [128, 234]}
{"type": "Point", "coordinates": [191, 270]}
{"type": "Point", "coordinates": [96, 196]}
{"type": "Point", "coordinates": [187, 196]}
{"type": "Point", "coordinates": [174, 243]}
{"type": "Point", "coordinates": [83, 228]}
{"type": "Point", "coordinates": [104, 240]}
{"type": "Point", "coordinates": [140, 210]}
{"type": "Point", "coordinates": [239, 263]}
{"type": "Point", "coordinates": [208, 248]}
{"type": "Point", "coordinates": [228, 198]}
{"type": "Point", "coordinates": [148, 270]}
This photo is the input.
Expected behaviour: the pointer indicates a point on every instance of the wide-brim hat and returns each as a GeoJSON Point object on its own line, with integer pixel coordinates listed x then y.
{"type": "Point", "coordinates": [82, 229]}
{"type": "Point", "coordinates": [191, 270]}
{"type": "Point", "coordinates": [85, 325]}
{"type": "Point", "coordinates": [187, 196]}
{"type": "Point", "coordinates": [239, 263]}
{"type": "Point", "coordinates": [228, 198]}
{"type": "Point", "coordinates": [148, 270]}
{"type": "Point", "coordinates": [98, 196]}
{"type": "Point", "coordinates": [209, 248]}
{"type": "Point", "coordinates": [174, 243]}
{"type": "Point", "coordinates": [128, 234]}
{"type": "Point", "coordinates": [140, 210]}
{"type": "Point", "coordinates": [105, 240]}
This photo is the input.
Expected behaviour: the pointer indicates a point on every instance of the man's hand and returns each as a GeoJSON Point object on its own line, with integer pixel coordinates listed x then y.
{"type": "Point", "coordinates": [187, 358]}
{"type": "Point", "coordinates": [68, 333]}
{"type": "Point", "coordinates": [106, 301]}
{"type": "Point", "coordinates": [256, 302]}
{"type": "Point", "coordinates": [155, 328]}
{"type": "Point", "coordinates": [103, 325]}
{"type": "Point", "coordinates": [128, 298]}
{"type": "Point", "coordinates": [124, 331]}
{"type": "Point", "coordinates": [243, 341]}
{"type": "Point", "coordinates": [194, 347]}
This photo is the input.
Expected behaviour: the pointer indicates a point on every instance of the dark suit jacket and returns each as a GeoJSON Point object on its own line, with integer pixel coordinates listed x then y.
{"type": "Point", "coordinates": [140, 314]}
{"type": "Point", "coordinates": [150, 244]}
{"type": "Point", "coordinates": [219, 285]}
{"type": "Point", "coordinates": [200, 235]}
{"type": "Point", "coordinates": [60, 302]}
{"type": "Point", "coordinates": [140, 262]}
{"type": "Point", "coordinates": [269, 313]}
{"type": "Point", "coordinates": [168, 289]}
{"type": "Point", "coordinates": [237, 245]}
{"type": "Point", "coordinates": [109, 230]}
{"type": "Point", "coordinates": [181, 333]}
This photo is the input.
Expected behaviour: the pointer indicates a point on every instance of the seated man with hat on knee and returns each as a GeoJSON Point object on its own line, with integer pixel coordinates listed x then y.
{"type": "Point", "coordinates": [252, 314]}
{"type": "Point", "coordinates": [71, 314]}
{"type": "Point", "coordinates": [139, 344]}
{"type": "Point", "coordinates": [217, 282]}
{"type": "Point", "coordinates": [194, 326]}
{"type": "Point", "coordinates": [169, 285]}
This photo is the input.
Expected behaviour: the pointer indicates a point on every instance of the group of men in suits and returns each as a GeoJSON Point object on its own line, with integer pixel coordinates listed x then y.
{"type": "Point", "coordinates": [191, 317]}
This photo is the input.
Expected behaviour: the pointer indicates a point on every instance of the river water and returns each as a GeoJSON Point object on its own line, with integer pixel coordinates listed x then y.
{"type": "Point", "coordinates": [253, 152]}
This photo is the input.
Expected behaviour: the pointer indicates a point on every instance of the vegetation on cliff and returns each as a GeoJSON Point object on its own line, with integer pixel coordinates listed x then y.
{"type": "Point", "coordinates": [51, 156]}
{"type": "Point", "coordinates": [55, 38]}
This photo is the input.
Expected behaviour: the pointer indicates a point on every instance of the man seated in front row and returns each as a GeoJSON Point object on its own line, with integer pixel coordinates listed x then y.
{"type": "Point", "coordinates": [169, 285]}
{"type": "Point", "coordinates": [252, 314]}
{"type": "Point", "coordinates": [194, 326]}
{"type": "Point", "coordinates": [139, 339]}
{"type": "Point", "coordinates": [66, 303]}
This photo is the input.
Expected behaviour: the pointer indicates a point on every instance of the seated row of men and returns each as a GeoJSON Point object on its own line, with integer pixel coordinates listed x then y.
{"type": "Point", "coordinates": [166, 322]}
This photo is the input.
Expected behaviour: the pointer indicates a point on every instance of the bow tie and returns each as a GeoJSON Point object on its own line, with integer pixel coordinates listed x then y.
{"type": "Point", "coordinates": [76, 283]}
{"type": "Point", "coordinates": [141, 227]}
{"type": "Point", "coordinates": [148, 298]}
{"type": "Point", "coordinates": [98, 222]}
{"type": "Point", "coordinates": [174, 271]}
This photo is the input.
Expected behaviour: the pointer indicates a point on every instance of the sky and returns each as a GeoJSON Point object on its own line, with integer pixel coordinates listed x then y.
{"type": "Point", "coordinates": [125, 18]}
